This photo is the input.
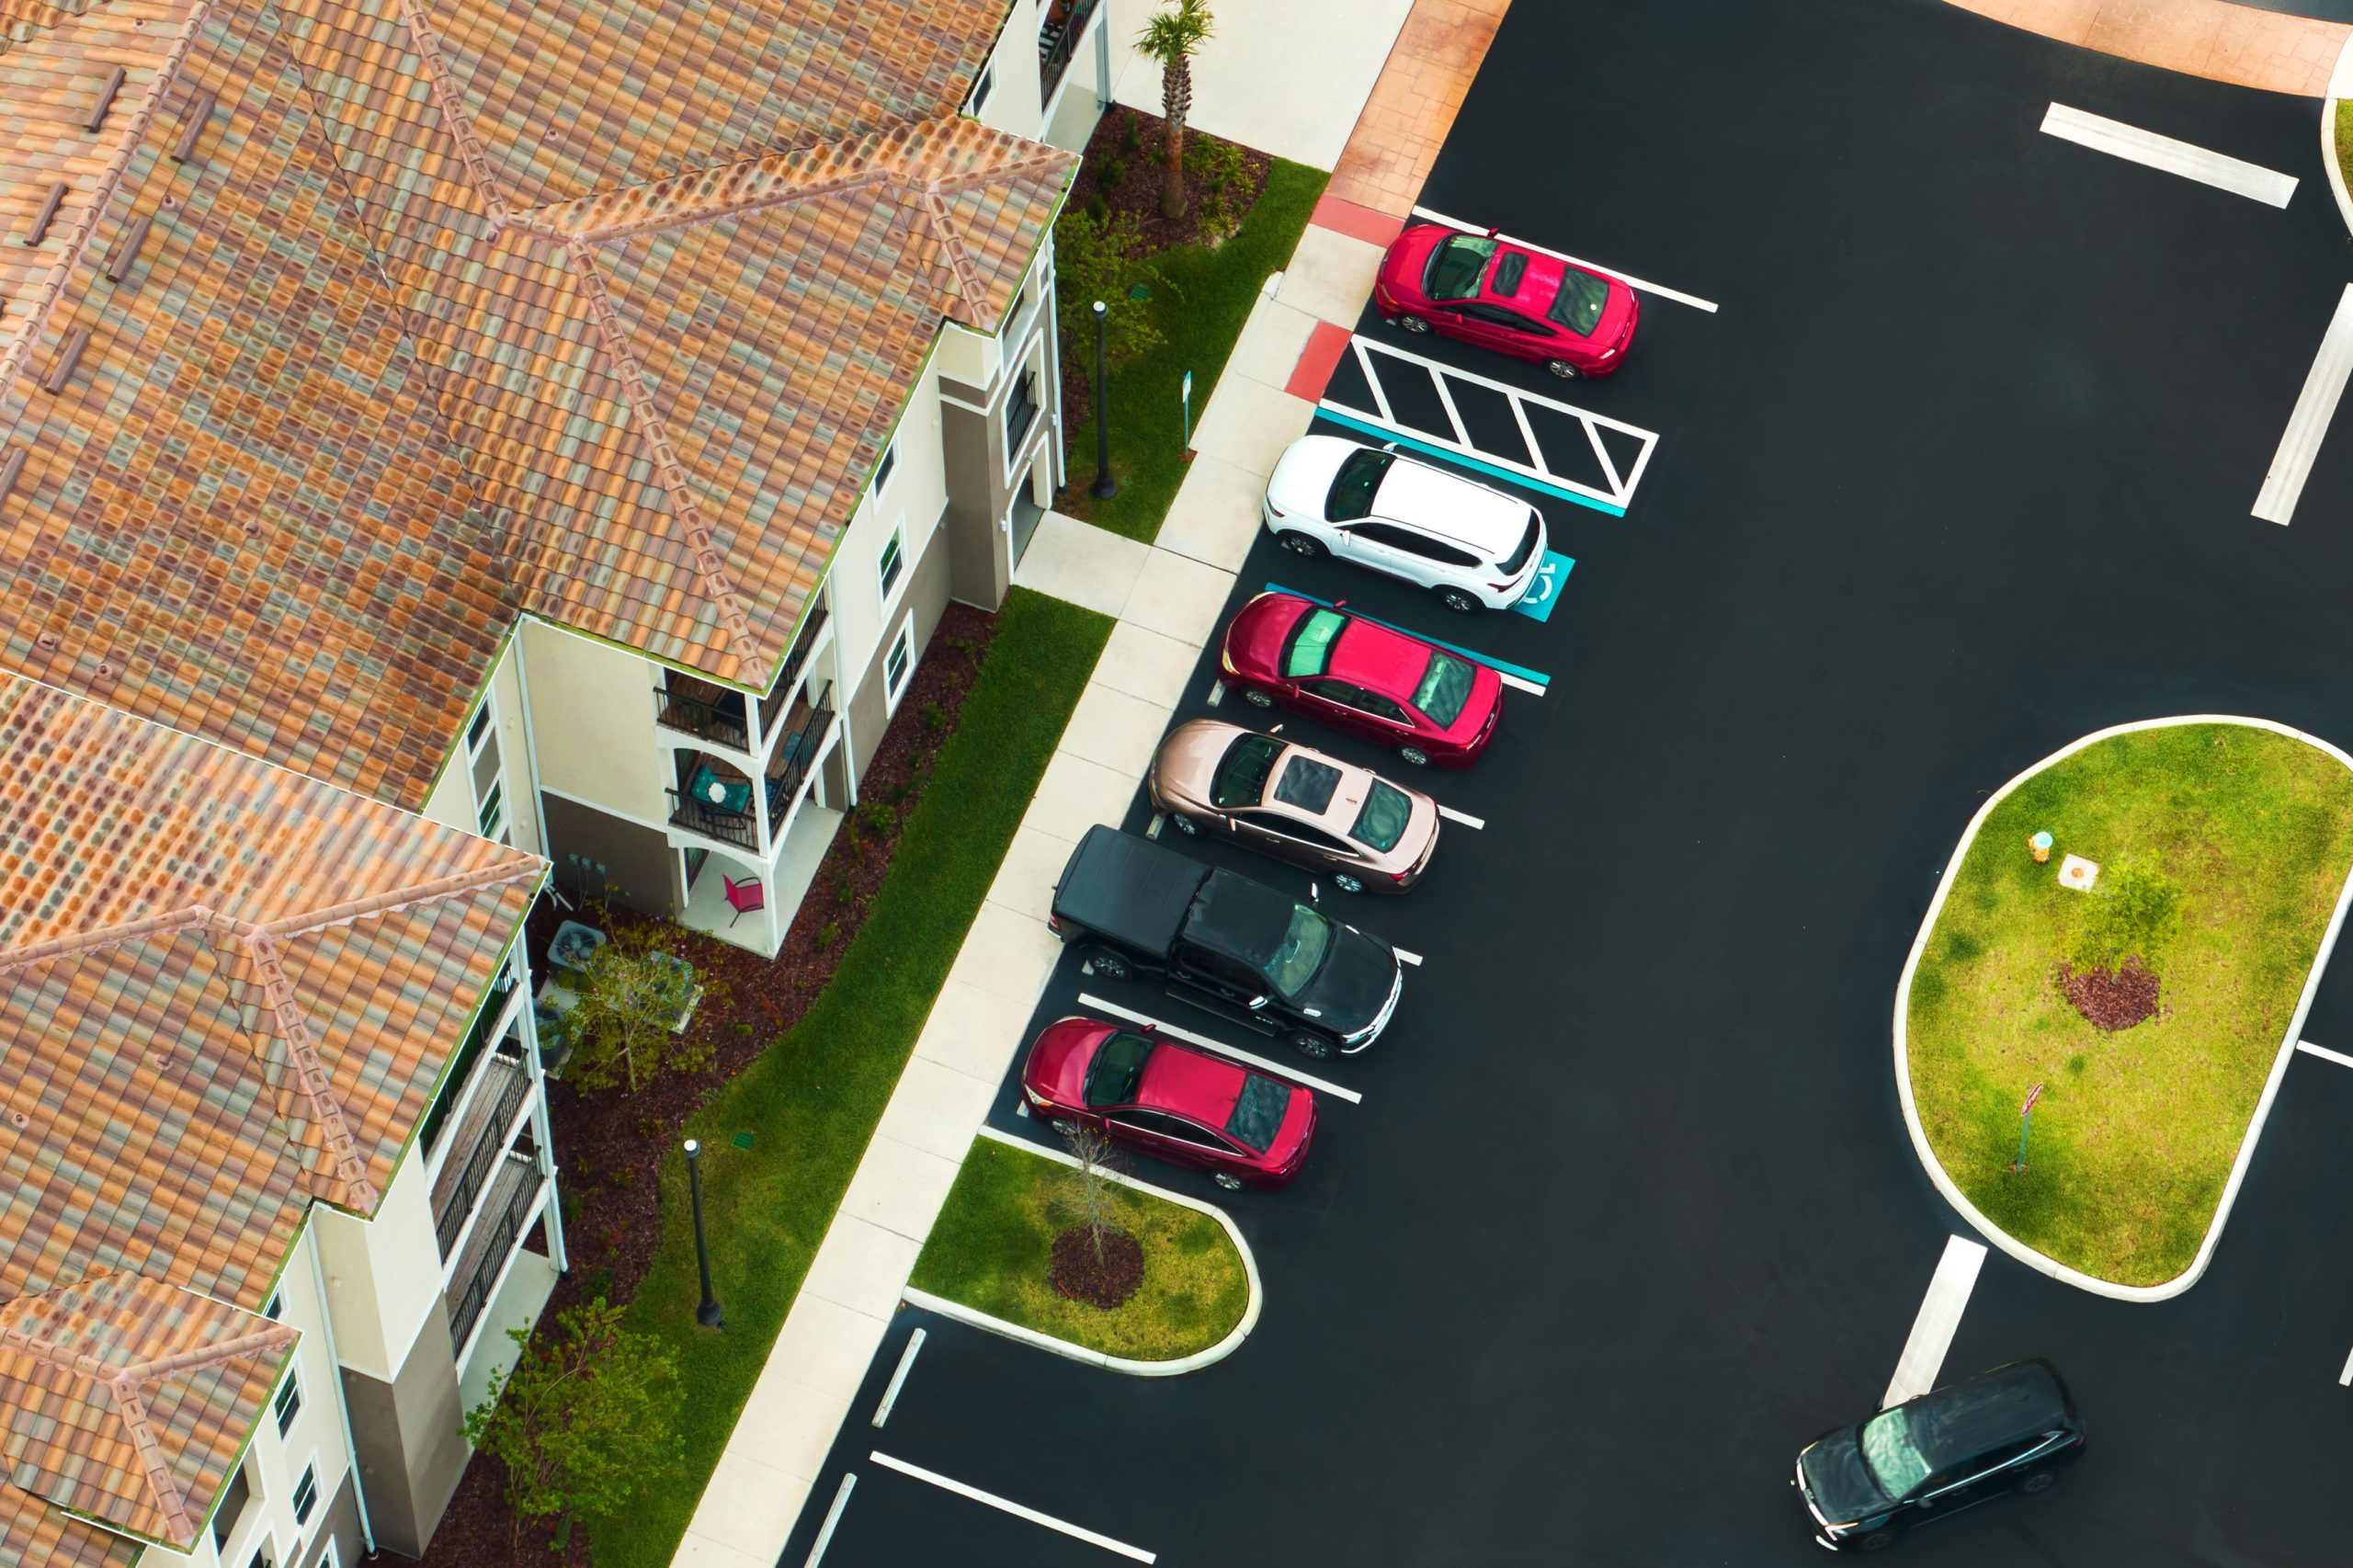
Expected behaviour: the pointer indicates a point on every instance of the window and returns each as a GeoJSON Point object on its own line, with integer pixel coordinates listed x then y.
{"type": "Point", "coordinates": [1117, 1068]}
{"type": "Point", "coordinates": [893, 562]}
{"type": "Point", "coordinates": [483, 771]}
{"type": "Point", "coordinates": [1455, 266]}
{"type": "Point", "coordinates": [895, 668]}
{"type": "Point", "coordinates": [492, 815]}
{"type": "Point", "coordinates": [1579, 304]}
{"type": "Point", "coordinates": [1353, 487]}
{"type": "Point", "coordinates": [1310, 652]}
{"type": "Point", "coordinates": [306, 1493]}
{"type": "Point", "coordinates": [1387, 811]}
{"type": "Point", "coordinates": [289, 1403]}
{"type": "Point", "coordinates": [1445, 687]}
{"type": "Point", "coordinates": [269, 1308]}
{"type": "Point", "coordinates": [882, 469]}
{"type": "Point", "coordinates": [1242, 773]}
{"type": "Point", "coordinates": [1258, 1111]}
{"type": "Point", "coordinates": [262, 1558]}
{"type": "Point", "coordinates": [1308, 784]}
{"type": "Point", "coordinates": [982, 87]}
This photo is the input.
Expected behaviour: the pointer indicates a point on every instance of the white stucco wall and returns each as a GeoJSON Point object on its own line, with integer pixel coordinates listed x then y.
{"type": "Point", "coordinates": [911, 501]}
{"type": "Point", "coordinates": [594, 706]}
{"type": "Point", "coordinates": [383, 1275]}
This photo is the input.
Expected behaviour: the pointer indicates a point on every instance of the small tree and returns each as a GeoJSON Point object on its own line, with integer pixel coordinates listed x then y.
{"type": "Point", "coordinates": [1100, 258]}
{"type": "Point", "coordinates": [588, 1413]}
{"type": "Point", "coordinates": [2134, 910]}
{"type": "Point", "coordinates": [1090, 1197]}
{"type": "Point", "coordinates": [1172, 38]}
{"type": "Point", "coordinates": [633, 994]}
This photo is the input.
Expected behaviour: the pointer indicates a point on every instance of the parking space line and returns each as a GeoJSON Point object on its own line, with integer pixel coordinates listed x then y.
{"type": "Point", "coordinates": [2316, 406]}
{"type": "Point", "coordinates": [1932, 1330]}
{"type": "Point", "coordinates": [2325, 1053]}
{"type": "Point", "coordinates": [2345, 1378]}
{"type": "Point", "coordinates": [1404, 957]}
{"type": "Point", "coordinates": [1217, 692]}
{"type": "Point", "coordinates": [832, 1522]}
{"type": "Point", "coordinates": [1516, 676]}
{"type": "Point", "coordinates": [2187, 159]}
{"type": "Point", "coordinates": [1293, 1073]}
{"type": "Point", "coordinates": [1465, 818]}
{"type": "Point", "coordinates": [1397, 434]}
{"type": "Point", "coordinates": [899, 1377]}
{"type": "Point", "coordinates": [1628, 278]}
{"type": "Point", "coordinates": [1151, 828]}
{"type": "Point", "coordinates": [1005, 1504]}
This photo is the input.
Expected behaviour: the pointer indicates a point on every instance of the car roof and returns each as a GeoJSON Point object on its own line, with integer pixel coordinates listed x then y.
{"type": "Point", "coordinates": [1482, 520]}
{"type": "Point", "coordinates": [1190, 1083]}
{"type": "Point", "coordinates": [1963, 1420]}
{"type": "Point", "coordinates": [1371, 654]}
{"type": "Point", "coordinates": [1348, 796]}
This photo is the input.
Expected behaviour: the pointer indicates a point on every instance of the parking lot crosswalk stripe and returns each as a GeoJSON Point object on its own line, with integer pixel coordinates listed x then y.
{"type": "Point", "coordinates": [1517, 675]}
{"type": "Point", "coordinates": [1391, 433]}
{"type": "Point", "coordinates": [1320, 1086]}
{"type": "Point", "coordinates": [1940, 1317]}
{"type": "Point", "coordinates": [1465, 818]}
{"type": "Point", "coordinates": [2316, 406]}
{"type": "Point", "coordinates": [2187, 159]}
{"type": "Point", "coordinates": [1628, 278]}
{"type": "Point", "coordinates": [1006, 1504]}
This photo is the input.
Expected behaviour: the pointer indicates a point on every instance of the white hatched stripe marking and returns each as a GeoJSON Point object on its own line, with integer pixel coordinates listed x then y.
{"type": "Point", "coordinates": [1276, 1069]}
{"type": "Point", "coordinates": [2187, 159]}
{"type": "Point", "coordinates": [2316, 406]}
{"type": "Point", "coordinates": [1932, 1330]}
{"type": "Point", "coordinates": [1628, 278]}
{"type": "Point", "coordinates": [1075, 1532]}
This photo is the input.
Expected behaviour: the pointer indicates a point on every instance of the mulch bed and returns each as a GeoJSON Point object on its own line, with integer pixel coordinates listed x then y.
{"type": "Point", "coordinates": [612, 1142]}
{"type": "Point", "coordinates": [1079, 1276]}
{"type": "Point", "coordinates": [1125, 139]}
{"type": "Point", "coordinates": [2111, 1002]}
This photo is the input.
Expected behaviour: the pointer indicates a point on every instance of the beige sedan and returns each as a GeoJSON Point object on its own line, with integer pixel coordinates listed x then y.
{"type": "Point", "coordinates": [1294, 804]}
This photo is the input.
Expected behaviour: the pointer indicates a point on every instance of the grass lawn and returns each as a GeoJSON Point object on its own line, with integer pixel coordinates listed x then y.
{"type": "Point", "coordinates": [1198, 302]}
{"type": "Point", "coordinates": [2345, 138]}
{"type": "Point", "coordinates": [994, 1243]}
{"type": "Point", "coordinates": [2136, 1130]}
{"type": "Point", "coordinates": [812, 1101]}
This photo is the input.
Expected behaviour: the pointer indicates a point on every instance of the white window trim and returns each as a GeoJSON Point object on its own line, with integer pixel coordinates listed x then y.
{"type": "Point", "coordinates": [886, 468]}
{"type": "Point", "coordinates": [904, 637]}
{"type": "Point", "coordinates": [501, 829]}
{"type": "Point", "coordinates": [318, 1495]}
{"type": "Point", "coordinates": [887, 595]}
{"type": "Point", "coordinates": [285, 1428]}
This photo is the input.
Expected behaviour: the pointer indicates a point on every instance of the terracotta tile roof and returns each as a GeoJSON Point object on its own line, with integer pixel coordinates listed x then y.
{"type": "Point", "coordinates": [128, 1399]}
{"type": "Point", "coordinates": [37, 1536]}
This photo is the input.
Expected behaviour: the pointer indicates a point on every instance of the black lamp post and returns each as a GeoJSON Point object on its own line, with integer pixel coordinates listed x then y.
{"type": "Point", "coordinates": [707, 1313]}
{"type": "Point", "coordinates": [1105, 486]}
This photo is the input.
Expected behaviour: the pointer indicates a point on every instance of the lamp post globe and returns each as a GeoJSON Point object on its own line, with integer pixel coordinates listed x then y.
{"type": "Point", "coordinates": [707, 1310]}
{"type": "Point", "coordinates": [1105, 486]}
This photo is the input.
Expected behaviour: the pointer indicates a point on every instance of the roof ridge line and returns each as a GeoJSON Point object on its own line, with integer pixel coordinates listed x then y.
{"type": "Point", "coordinates": [310, 1073]}
{"type": "Point", "coordinates": [352, 910]}
{"type": "Point", "coordinates": [969, 287]}
{"type": "Point", "coordinates": [53, 288]}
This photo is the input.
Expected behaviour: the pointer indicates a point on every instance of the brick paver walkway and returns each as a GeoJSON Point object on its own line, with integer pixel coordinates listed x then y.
{"type": "Point", "coordinates": [2200, 38]}
{"type": "Point", "coordinates": [1413, 105]}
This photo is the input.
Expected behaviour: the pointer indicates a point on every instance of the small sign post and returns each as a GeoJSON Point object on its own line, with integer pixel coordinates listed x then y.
{"type": "Point", "coordinates": [1187, 393]}
{"type": "Point", "coordinates": [2026, 1120]}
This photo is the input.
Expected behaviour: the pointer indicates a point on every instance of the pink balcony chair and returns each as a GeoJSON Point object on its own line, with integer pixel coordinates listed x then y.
{"type": "Point", "coordinates": [746, 896]}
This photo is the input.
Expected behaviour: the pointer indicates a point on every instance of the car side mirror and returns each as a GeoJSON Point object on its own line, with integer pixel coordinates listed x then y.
{"type": "Point", "coordinates": [1315, 892]}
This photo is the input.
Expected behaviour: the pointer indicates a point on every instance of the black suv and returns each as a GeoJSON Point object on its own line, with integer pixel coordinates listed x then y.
{"type": "Point", "coordinates": [1243, 950]}
{"type": "Point", "coordinates": [2002, 1431]}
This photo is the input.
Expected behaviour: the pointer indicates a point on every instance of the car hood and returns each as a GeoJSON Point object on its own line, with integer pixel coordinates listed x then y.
{"type": "Point", "coordinates": [1301, 481]}
{"type": "Point", "coordinates": [1842, 1484]}
{"type": "Point", "coordinates": [1354, 984]}
{"type": "Point", "coordinates": [1058, 1060]}
{"type": "Point", "coordinates": [1253, 641]}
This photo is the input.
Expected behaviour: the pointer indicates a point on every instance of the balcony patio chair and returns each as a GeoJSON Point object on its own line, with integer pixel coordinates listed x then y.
{"type": "Point", "coordinates": [746, 896]}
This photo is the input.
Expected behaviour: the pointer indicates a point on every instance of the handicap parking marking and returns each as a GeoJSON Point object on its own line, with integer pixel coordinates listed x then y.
{"type": "Point", "coordinates": [1545, 591]}
{"type": "Point", "coordinates": [1517, 676]}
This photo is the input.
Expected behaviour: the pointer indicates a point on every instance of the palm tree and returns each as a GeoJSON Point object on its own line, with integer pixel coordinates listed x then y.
{"type": "Point", "coordinates": [1171, 37]}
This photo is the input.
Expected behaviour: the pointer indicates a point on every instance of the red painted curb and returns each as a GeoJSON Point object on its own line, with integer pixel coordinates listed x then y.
{"type": "Point", "coordinates": [1317, 360]}
{"type": "Point", "coordinates": [1345, 216]}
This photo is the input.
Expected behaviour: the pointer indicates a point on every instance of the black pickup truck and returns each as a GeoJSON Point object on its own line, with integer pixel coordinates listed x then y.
{"type": "Point", "coordinates": [1242, 949]}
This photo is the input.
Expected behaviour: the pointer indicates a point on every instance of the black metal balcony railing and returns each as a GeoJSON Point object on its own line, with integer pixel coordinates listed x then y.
{"type": "Point", "coordinates": [454, 1202]}
{"type": "Point", "coordinates": [740, 829]}
{"type": "Point", "coordinates": [1057, 42]}
{"type": "Point", "coordinates": [1020, 411]}
{"type": "Point", "coordinates": [493, 1245]}
{"type": "Point", "coordinates": [796, 755]}
{"type": "Point", "coordinates": [801, 646]}
{"type": "Point", "coordinates": [717, 720]}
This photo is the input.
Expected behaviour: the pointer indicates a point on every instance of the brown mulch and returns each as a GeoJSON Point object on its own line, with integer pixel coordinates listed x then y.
{"type": "Point", "coordinates": [611, 1144]}
{"type": "Point", "coordinates": [1127, 138]}
{"type": "Point", "coordinates": [2111, 1002]}
{"type": "Point", "coordinates": [1079, 1276]}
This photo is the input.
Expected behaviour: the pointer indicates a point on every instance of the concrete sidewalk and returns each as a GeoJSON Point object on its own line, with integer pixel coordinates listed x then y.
{"type": "Point", "coordinates": [2200, 38]}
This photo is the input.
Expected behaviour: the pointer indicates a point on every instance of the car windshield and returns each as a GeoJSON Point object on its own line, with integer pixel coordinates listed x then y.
{"type": "Point", "coordinates": [1445, 687]}
{"type": "Point", "coordinates": [1258, 1113]}
{"type": "Point", "coordinates": [1300, 952]}
{"type": "Point", "coordinates": [1352, 487]}
{"type": "Point", "coordinates": [1308, 784]}
{"type": "Point", "coordinates": [1579, 304]}
{"type": "Point", "coordinates": [1455, 267]}
{"type": "Point", "coordinates": [1383, 822]}
{"type": "Point", "coordinates": [1310, 652]}
{"type": "Point", "coordinates": [1117, 1068]}
{"type": "Point", "coordinates": [1895, 1459]}
{"type": "Point", "coordinates": [1242, 773]}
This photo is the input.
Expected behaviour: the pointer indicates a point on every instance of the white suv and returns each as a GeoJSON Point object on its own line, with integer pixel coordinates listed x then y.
{"type": "Point", "coordinates": [1472, 546]}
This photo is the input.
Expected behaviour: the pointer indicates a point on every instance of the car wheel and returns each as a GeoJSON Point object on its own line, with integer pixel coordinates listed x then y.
{"type": "Point", "coordinates": [1301, 545]}
{"type": "Point", "coordinates": [1109, 965]}
{"type": "Point", "coordinates": [1460, 602]}
{"type": "Point", "coordinates": [1346, 883]}
{"type": "Point", "coordinates": [2040, 1480]}
{"type": "Point", "coordinates": [1227, 1180]}
{"type": "Point", "coordinates": [1878, 1540]}
{"type": "Point", "coordinates": [1415, 325]}
{"type": "Point", "coordinates": [1184, 823]}
{"type": "Point", "coordinates": [1257, 698]}
{"type": "Point", "coordinates": [1065, 1125]}
{"type": "Point", "coordinates": [1314, 1046]}
{"type": "Point", "coordinates": [1564, 370]}
{"type": "Point", "coordinates": [1415, 754]}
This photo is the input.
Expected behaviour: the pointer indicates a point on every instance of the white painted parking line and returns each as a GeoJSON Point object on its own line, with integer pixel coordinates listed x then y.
{"type": "Point", "coordinates": [1278, 1069]}
{"type": "Point", "coordinates": [2316, 406]}
{"type": "Point", "coordinates": [832, 1522]}
{"type": "Point", "coordinates": [2345, 1378]}
{"type": "Point", "coordinates": [1075, 1532]}
{"type": "Point", "coordinates": [1932, 1330]}
{"type": "Point", "coordinates": [1517, 683]}
{"type": "Point", "coordinates": [1404, 957]}
{"type": "Point", "coordinates": [1151, 828]}
{"type": "Point", "coordinates": [2187, 159]}
{"type": "Point", "coordinates": [2325, 1053]}
{"type": "Point", "coordinates": [1628, 278]}
{"type": "Point", "coordinates": [899, 1377]}
{"type": "Point", "coordinates": [1217, 692]}
{"type": "Point", "coordinates": [1465, 818]}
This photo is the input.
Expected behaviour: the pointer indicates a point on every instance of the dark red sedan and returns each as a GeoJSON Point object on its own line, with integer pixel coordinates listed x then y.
{"type": "Point", "coordinates": [1362, 677]}
{"type": "Point", "coordinates": [1243, 1128]}
{"type": "Point", "coordinates": [1501, 296]}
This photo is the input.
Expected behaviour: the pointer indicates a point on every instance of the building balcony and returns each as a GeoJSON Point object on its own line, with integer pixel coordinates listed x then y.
{"type": "Point", "coordinates": [703, 710]}
{"type": "Point", "coordinates": [515, 1187]}
{"type": "Point", "coordinates": [795, 755]}
{"type": "Point", "coordinates": [1058, 40]}
{"type": "Point", "coordinates": [484, 1128]}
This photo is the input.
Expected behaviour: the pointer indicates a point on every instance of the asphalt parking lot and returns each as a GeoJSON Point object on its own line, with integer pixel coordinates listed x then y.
{"type": "Point", "coordinates": [1961, 470]}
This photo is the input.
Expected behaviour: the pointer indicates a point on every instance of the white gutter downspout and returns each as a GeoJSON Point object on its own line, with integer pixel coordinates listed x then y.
{"type": "Point", "coordinates": [342, 1405]}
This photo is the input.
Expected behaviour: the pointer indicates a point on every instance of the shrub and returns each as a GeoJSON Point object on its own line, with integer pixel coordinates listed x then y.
{"type": "Point", "coordinates": [843, 891]}
{"type": "Point", "coordinates": [632, 995]}
{"type": "Point", "coordinates": [1101, 257]}
{"type": "Point", "coordinates": [1225, 184]}
{"type": "Point", "coordinates": [879, 816]}
{"type": "Point", "coordinates": [649, 1127]}
{"type": "Point", "coordinates": [831, 934]}
{"type": "Point", "coordinates": [1131, 131]}
{"type": "Point", "coordinates": [935, 717]}
{"type": "Point", "coordinates": [1110, 172]}
{"type": "Point", "coordinates": [2134, 910]}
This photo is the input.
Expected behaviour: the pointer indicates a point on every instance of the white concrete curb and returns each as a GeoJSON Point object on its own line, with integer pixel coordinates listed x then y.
{"type": "Point", "coordinates": [1945, 1184]}
{"type": "Point", "coordinates": [1063, 1348]}
{"type": "Point", "coordinates": [2340, 87]}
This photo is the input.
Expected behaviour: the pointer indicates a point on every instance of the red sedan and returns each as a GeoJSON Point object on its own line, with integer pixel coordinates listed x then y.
{"type": "Point", "coordinates": [1361, 677]}
{"type": "Point", "coordinates": [1243, 1128]}
{"type": "Point", "coordinates": [1498, 295]}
